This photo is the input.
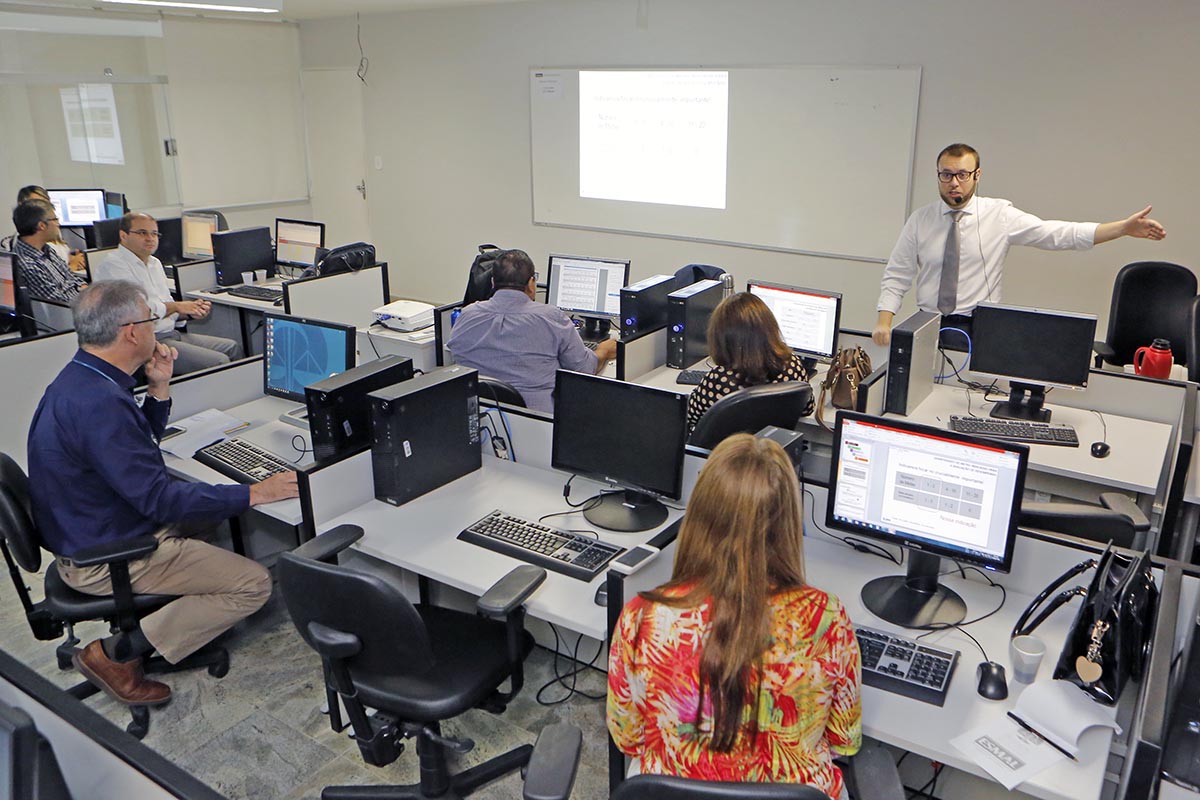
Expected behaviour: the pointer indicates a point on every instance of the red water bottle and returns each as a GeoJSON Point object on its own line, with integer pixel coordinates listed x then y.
{"type": "Point", "coordinates": [1154, 361]}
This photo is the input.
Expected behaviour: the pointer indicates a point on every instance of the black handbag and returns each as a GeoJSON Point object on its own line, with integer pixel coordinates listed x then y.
{"type": "Point", "coordinates": [1111, 635]}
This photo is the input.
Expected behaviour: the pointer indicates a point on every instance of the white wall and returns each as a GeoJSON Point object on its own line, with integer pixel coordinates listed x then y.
{"type": "Point", "coordinates": [1082, 109]}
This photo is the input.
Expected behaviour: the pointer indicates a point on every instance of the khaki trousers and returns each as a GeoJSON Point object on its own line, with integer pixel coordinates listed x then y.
{"type": "Point", "coordinates": [216, 589]}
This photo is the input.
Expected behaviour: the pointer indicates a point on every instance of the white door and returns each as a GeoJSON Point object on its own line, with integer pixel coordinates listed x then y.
{"type": "Point", "coordinates": [333, 112]}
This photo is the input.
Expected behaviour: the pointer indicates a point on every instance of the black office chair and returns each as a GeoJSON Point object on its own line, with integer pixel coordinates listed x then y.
{"type": "Point", "coordinates": [870, 775]}
{"type": "Point", "coordinates": [1192, 343]}
{"type": "Point", "coordinates": [416, 665]}
{"type": "Point", "coordinates": [479, 279]}
{"type": "Point", "coordinates": [751, 409]}
{"type": "Point", "coordinates": [1150, 300]}
{"type": "Point", "coordinates": [501, 392]}
{"type": "Point", "coordinates": [62, 606]}
{"type": "Point", "coordinates": [689, 274]}
{"type": "Point", "coordinates": [1118, 520]}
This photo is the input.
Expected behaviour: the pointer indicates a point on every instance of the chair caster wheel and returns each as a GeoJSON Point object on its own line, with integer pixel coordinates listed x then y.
{"type": "Point", "coordinates": [219, 670]}
{"type": "Point", "coordinates": [140, 724]}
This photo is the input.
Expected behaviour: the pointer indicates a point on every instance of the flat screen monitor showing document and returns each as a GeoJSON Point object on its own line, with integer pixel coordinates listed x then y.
{"type": "Point", "coordinates": [1033, 348]}
{"type": "Point", "coordinates": [78, 206]}
{"type": "Point", "coordinates": [933, 492]}
{"type": "Point", "coordinates": [298, 352]}
{"type": "Point", "coordinates": [198, 228]}
{"type": "Point", "coordinates": [598, 433]}
{"type": "Point", "coordinates": [808, 318]}
{"type": "Point", "coordinates": [296, 241]}
{"type": "Point", "coordinates": [588, 288]}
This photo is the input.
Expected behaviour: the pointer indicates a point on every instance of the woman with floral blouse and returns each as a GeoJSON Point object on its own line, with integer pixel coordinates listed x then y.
{"type": "Point", "coordinates": [736, 670]}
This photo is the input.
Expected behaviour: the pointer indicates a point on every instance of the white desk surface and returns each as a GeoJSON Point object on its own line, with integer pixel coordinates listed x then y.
{"type": "Point", "coordinates": [266, 431]}
{"type": "Point", "coordinates": [421, 536]}
{"type": "Point", "coordinates": [225, 298]}
{"type": "Point", "coordinates": [1139, 447]}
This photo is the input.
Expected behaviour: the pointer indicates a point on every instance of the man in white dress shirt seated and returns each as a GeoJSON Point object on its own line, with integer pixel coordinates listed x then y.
{"type": "Point", "coordinates": [134, 261]}
{"type": "Point", "coordinates": [954, 249]}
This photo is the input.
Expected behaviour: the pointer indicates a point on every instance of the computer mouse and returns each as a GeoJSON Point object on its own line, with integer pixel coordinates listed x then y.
{"type": "Point", "coordinates": [601, 597]}
{"type": "Point", "coordinates": [1100, 449]}
{"type": "Point", "coordinates": [992, 684]}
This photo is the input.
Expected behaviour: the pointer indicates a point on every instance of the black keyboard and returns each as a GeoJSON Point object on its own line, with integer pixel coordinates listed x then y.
{"type": "Point", "coordinates": [244, 462]}
{"type": "Point", "coordinates": [691, 377]}
{"type": "Point", "coordinates": [1015, 430]}
{"type": "Point", "coordinates": [571, 554]}
{"type": "Point", "coordinates": [905, 666]}
{"type": "Point", "coordinates": [268, 293]}
{"type": "Point", "coordinates": [591, 344]}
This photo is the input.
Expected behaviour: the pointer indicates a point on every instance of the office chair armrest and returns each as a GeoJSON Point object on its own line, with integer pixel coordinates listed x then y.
{"type": "Point", "coordinates": [510, 591]}
{"type": "Point", "coordinates": [330, 543]}
{"type": "Point", "coordinates": [110, 552]}
{"type": "Point", "coordinates": [1103, 353]}
{"type": "Point", "coordinates": [550, 774]}
{"type": "Point", "coordinates": [1124, 505]}
{"type": "Point", "coordinates": [873, 774]}
{"type": "Point", "coordinates": [1045, 515]}
{"type": "Point", "coordinates": [333, 644]}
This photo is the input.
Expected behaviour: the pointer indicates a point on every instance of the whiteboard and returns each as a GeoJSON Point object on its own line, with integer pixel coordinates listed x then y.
{"type": "Point", "coordinates": [819, 161]}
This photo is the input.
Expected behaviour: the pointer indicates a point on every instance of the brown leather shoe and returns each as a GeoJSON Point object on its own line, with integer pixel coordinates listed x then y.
{"type": "Point", "coordinates": [123, 682]}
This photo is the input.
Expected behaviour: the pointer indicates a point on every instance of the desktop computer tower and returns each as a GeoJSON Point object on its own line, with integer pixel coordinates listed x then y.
{"type": "Point", "coordinates": [245, 250]}
{"type": "Point", "coordinates": [338, 414]}
{"type": "Point", "coordinates": [688, 310]}
{"type": "Point", "coordinates": [644, 304]}
{"type": "Point", "coordinates": [912, 362]}
{"type": "Point", "coordinates": [425, 433]}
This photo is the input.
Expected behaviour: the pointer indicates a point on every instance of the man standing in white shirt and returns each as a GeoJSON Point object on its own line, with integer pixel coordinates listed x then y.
{"type": "Point", "coordinates": [134, 261]}
{"type": "Point", "coordinates": [954, 250]}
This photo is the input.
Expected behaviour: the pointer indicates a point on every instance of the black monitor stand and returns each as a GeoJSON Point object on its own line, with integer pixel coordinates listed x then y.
{"type": "Point", "coordinates": [595, 329]}
{"type": "Point", "coordinates": [915, 600]}
{"type": "Point", "coordinates": [1025, 402]}
{"type": "Point", "coordinates": [626, 511]}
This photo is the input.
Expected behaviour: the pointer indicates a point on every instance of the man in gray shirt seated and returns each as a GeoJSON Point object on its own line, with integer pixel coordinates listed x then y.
{"type": "Point", "coordinates": [515, 339]}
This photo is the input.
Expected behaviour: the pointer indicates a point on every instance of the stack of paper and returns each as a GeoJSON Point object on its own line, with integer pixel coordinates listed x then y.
{"type": "Point", "coordinates": [1055, 714]}
{"type": "Point", "coordinates": [201, 429]}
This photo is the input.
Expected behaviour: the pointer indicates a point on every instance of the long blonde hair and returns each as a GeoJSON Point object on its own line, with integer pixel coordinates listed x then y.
{"type": "Point", "coordinates": [741, 542]}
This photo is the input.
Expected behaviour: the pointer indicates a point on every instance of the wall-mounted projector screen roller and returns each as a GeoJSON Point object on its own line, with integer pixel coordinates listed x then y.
{"type": "Point", "coordinates": [807, 159]}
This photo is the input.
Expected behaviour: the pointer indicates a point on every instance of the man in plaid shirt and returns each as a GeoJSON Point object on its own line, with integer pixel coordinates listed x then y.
{"type": "Point", "coordinates": [43, 272]}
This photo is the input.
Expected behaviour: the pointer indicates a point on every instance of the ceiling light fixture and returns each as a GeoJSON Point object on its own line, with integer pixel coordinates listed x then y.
{"type": "Point", "coordinates": [258, 7]}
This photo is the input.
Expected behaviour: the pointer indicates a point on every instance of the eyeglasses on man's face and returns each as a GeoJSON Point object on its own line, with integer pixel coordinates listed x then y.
{"type": "Point", "coordinates": [154, 318]}
{"type": "Point", "coordinates": [147, 234]}
{"type": "Point", "coordinates": [945, 175]}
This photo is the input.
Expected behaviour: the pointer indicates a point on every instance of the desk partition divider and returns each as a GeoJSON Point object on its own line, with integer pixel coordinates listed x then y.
{"type": "Point", "coordinates": [641, 353]}
{"type": "Point", "coordinates": [28, 367]}
{"type": "Point", "coordinates": [346, 297]}
{"type": "Point", "coordinates": [195, 276]}
{"type": "Point", "coordinates": [221, 387]}
{"type": "Point", "coordinates": [331, 488]}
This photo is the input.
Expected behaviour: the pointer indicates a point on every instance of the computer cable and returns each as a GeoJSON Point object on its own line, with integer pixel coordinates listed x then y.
{"type": "Point", "coordinates": [364, 63]}
{"type": "Point", "coordinates": [303, 449]}
{"type": "Point", "coordinates": [870, 548]}
{"type": "Point", "coordinates": [44, 328]}
{"type": "Point", "coordinates": [965, 335]}
{"type": "Point", "coordinates": [499, 446]}
{"type": "Point", "coordinates": [561, 678]}
{"type": "Point", "coordinates": [960, 625]}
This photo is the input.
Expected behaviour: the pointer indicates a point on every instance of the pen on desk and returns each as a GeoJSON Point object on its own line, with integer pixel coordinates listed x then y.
{"type": "Point", "coordinates": [1040, 735]}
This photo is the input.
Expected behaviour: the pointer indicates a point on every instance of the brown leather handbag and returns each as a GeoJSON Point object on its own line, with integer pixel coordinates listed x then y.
{"type": "Point", "coordinates": [848, 370]}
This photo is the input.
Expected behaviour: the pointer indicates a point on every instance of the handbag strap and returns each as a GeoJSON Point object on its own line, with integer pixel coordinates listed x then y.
{"type": "Point", "coordinates": [1061, 599]}
{"type": "Point", "coordinates": [1019, 629]}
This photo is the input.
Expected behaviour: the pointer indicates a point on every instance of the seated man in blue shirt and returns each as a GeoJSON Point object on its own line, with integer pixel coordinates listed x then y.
{"type": "Point", "coordinates": [96, 475]}
{"type": "Point", "coordinates": [522, 342]}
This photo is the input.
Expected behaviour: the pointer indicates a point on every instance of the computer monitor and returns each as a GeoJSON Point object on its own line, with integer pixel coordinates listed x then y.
{"type": "Point", "coordinates": [296, 241]}
{"type": "Point", "coordinates": [808, 318]}
{"type": "Point", "coordinates": [297, 352]}
{"type": "Point", "coordinates": [244, 250]}
{"type": "Point", "coordinates": [8, 286]}
{"type": "Point", "coordinates": [589, 288]}
{"type": "Point", "coordinates": [935, 493]}
{"type": "Point", "coordinates": [1033, 348]}
{"type": "Point", "coordinates": [106, 233]}
{"type": "Point", "coordinates": [78, 206]}
{"type": "Point", "coordinates": [198, 228]}
{"type": "Point", "coordinates": [114, 205]}
{"type": "Point", "coordinates": [626, 434]}
{"type": "Point", "coordinates": [170, 240]}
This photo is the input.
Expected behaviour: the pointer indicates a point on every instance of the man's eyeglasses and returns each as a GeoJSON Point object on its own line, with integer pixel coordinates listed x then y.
{"type": "Point", "coordinates": [945, 176]}
{"type": "Point", "coordinates": [154, 234]}
{"type": "Point", "coordinates": [155, 318]}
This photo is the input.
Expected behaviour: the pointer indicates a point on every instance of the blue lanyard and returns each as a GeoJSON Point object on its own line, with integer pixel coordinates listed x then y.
{"type": "Point", "coordinates": [98, 372]}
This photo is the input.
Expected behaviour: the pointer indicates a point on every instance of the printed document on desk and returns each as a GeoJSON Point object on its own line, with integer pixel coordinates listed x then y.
{"type": "Point", "coordinates": [200, 429]}
{"type": "Point", "coordinates": [1013, 752]}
